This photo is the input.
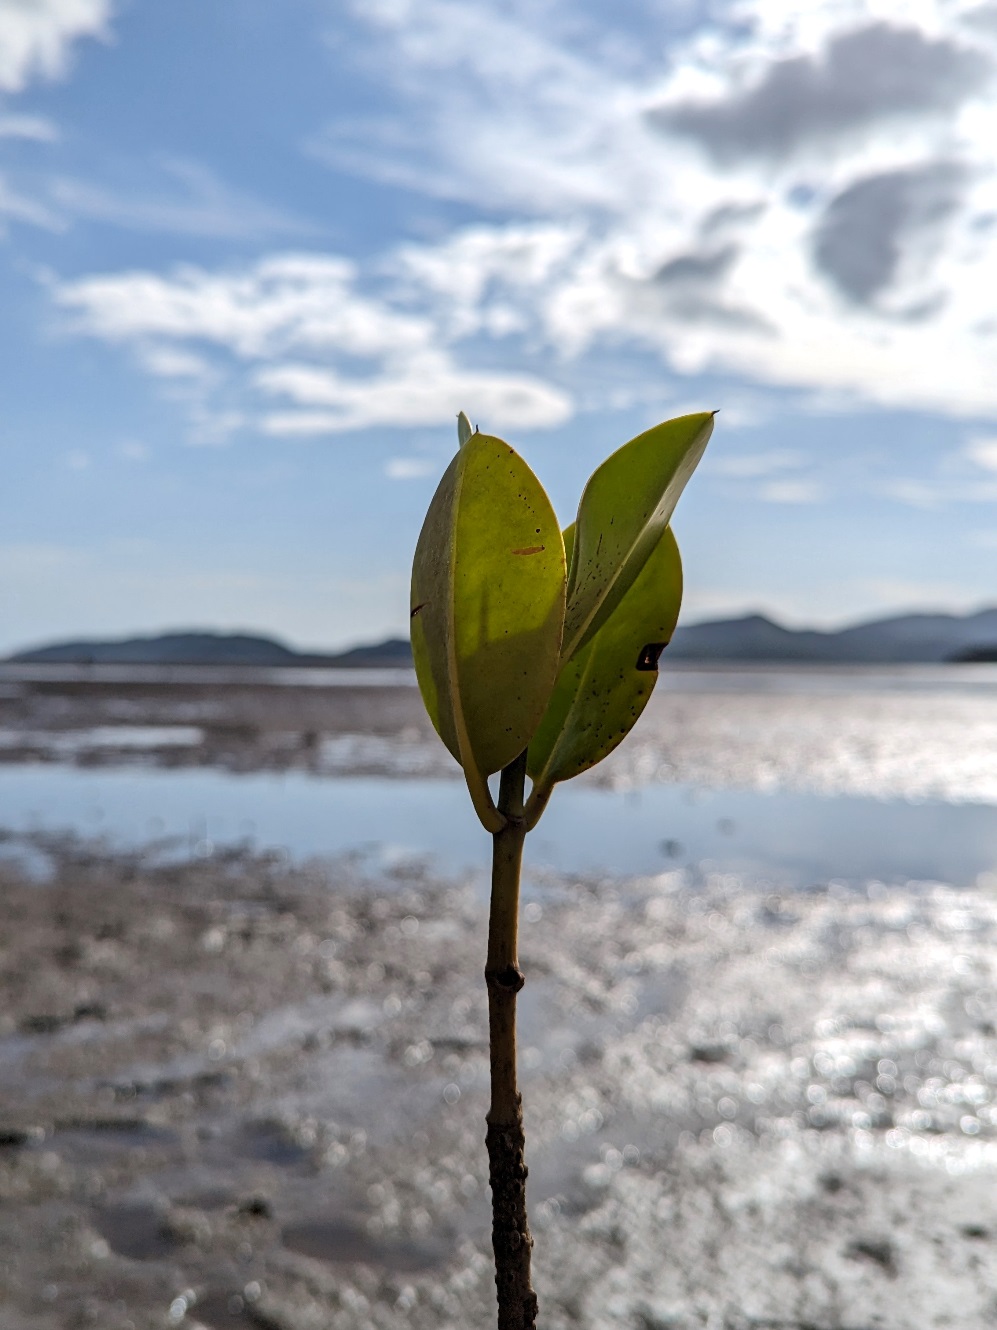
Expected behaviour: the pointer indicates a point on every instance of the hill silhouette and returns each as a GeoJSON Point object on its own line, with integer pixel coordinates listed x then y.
{"type": "Point", "coordinates": [205, 648]}
{"type": "Point", "coordinates": [900, 639]}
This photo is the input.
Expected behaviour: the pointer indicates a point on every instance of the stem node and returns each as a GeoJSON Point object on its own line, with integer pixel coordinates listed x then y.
{"type": "Point", "coordinates": [510, 980]}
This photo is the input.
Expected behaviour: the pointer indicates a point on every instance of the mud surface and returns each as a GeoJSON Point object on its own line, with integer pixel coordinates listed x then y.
{"type": "Point", "coordinates": [242, 1090]}
{"type": "Point", "coordinates": [236, 1092]}
{"type": "Point", "coordinates": [914, 733]}
{"type": "Point", "coordinates": [210, 719]}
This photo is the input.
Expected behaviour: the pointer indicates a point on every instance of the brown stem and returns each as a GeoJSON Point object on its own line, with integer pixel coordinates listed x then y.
{"type": "Point", "coordinates": [506, 1141]}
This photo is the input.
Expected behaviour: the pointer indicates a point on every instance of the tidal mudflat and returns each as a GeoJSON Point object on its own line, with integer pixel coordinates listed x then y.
{"type": "Point", "coordinates": [243, 1076]}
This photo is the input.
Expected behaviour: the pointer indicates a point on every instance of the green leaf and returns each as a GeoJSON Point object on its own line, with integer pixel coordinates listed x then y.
{"type": "Point", "coordinates": [625, 506]}
{"type": "Point", "coordinates": [602, 690]}
{"type": "Point", "coordinates": [464, 430]}
{"type": "Point", "coordinates": [488, 585]}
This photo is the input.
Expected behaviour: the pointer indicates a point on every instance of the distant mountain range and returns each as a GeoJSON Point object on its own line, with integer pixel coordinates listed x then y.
{"type": "Point", "coordinates": [904, 639]}
{"type": "Point", "coordinates": [212, 649]}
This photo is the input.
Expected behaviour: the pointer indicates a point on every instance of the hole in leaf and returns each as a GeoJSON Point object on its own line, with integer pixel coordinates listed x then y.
{"type": "Point", "coordinates": [650, 654]}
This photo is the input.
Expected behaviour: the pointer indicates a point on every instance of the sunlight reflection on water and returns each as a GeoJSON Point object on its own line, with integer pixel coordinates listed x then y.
{"type": "Point", "coordinates": [788, 838]}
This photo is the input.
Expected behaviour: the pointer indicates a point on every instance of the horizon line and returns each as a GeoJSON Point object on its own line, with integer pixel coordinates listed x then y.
{"type": "Point", "coordinates": [401, 636]}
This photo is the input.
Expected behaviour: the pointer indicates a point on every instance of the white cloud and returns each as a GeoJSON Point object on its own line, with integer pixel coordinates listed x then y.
{"type": "Point", "coordinates": [284, 302]}
{"type": "Point", "coordinates": [297, 328]}
{"type": "Point", "coordinates": [31, 127]}
{"type": "Point", "coordinates": [983, 452]}
{"type": "Point", "coordinates": [409, 468]}
{"type": "Point", "coordinates": [423, 389]}
{"type": "Point", "coordinates": [914, 493]}
{"type": "Point", "coordinates": [170, 362]}
{"type": "Point", "coordinates": [181, 198]}
{"type": "Point", "coordinates": [533, 115]}
{"type": "Point", "coordinates": [213, 426]}
{"type": "Point", "coordinates": [16, 207]}
{"type": "Point", "coordinates": [36, 36]}
{"type": "Point", "coordinates": [719, 270]}
{"type": "Point", "coordinates": [791, 491]}
{"type": "Point", "coordinates": [133, 450]}
{"type": "Point", "coordinates": [749, 466]}
{"type": "Point", "coordinates": [933, 494]}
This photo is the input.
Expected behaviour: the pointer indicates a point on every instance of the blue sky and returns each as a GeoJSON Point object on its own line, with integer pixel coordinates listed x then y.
{"type": "Point", "coordinates": [255, 257]}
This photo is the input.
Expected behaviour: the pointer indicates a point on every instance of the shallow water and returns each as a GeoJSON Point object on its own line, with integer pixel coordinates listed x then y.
{"type": "Point", "coordinates": [14, 675]}
{"type": "Point", "coordinates": [791, 839]}
{"type": "Point", "coordinates": [681, 676]}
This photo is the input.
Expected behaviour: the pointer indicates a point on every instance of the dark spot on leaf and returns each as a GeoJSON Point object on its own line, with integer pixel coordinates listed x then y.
{"type": "Point", "coordinates": [418, 608]}
{"type": "Point", "coordinates": [650, 655]}
{"type": "Point", "coordinates": [531, 549]}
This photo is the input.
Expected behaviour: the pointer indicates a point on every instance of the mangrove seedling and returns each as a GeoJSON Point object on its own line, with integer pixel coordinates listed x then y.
{"type": "Point", "coordinates": [536, 651]}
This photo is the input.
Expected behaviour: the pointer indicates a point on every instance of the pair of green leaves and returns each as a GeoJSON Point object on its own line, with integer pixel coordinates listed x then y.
{"type": "Point", "coordinates": [524, 639]}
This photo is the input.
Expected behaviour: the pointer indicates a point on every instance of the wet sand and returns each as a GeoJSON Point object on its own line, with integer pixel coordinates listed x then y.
{"type": "Point", "coordinates": [243, 723]}
{"type": "Point", "coordinates": [237, 1092]}
{"type": "Point", "coordinates": [242, 1090]}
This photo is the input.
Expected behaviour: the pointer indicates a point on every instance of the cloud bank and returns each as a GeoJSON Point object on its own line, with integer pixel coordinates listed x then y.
{"type": "Point", "coordinates": [805, 198]}
{"type": "Point", "coordinates": [305, 349]}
